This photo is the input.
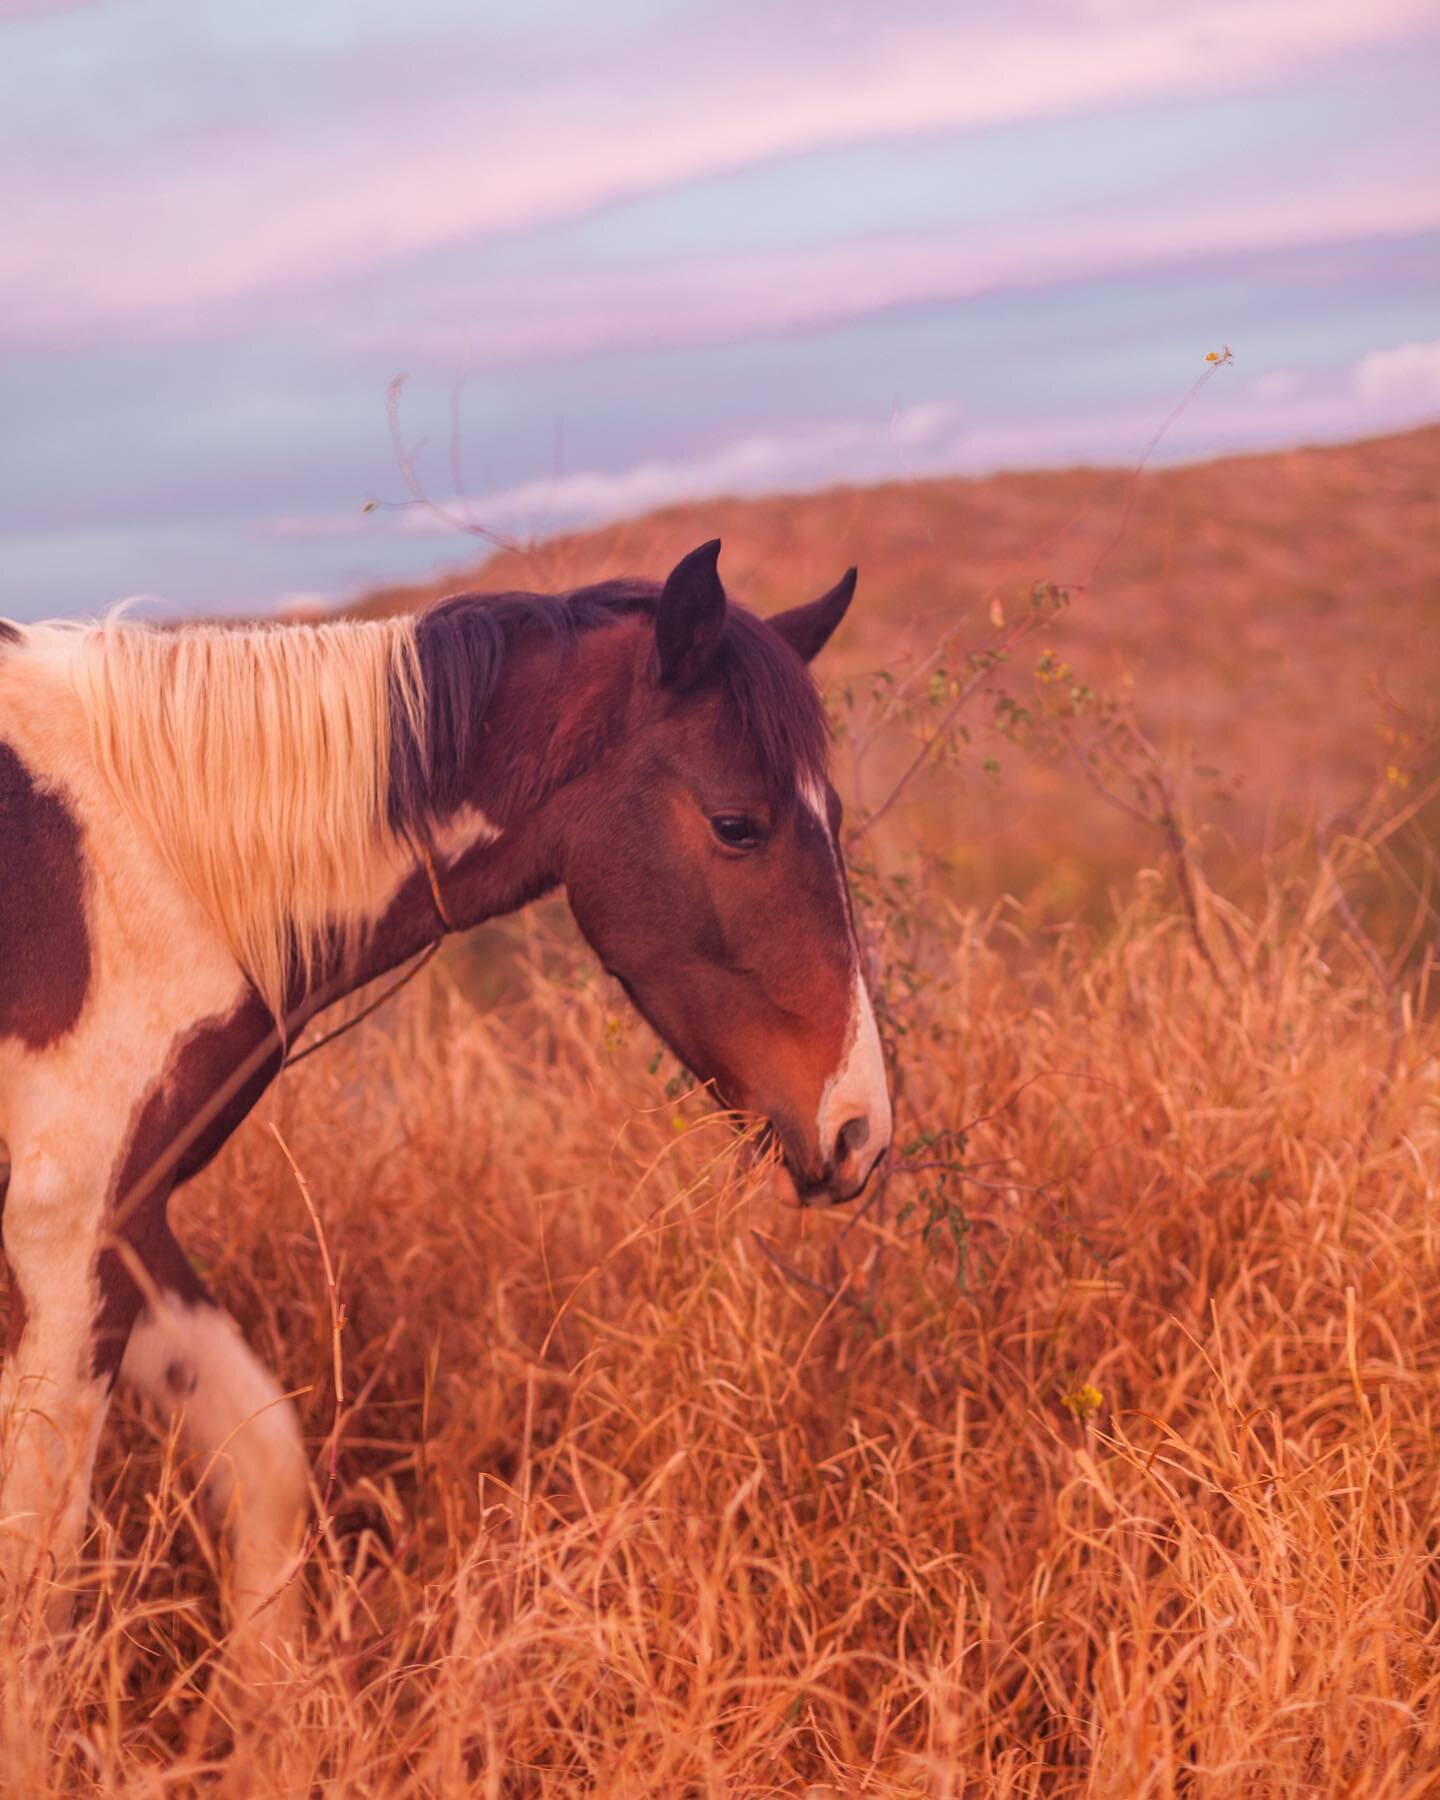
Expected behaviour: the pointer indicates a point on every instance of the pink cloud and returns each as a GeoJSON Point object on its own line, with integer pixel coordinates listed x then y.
{"type": "Point", "coordinates": [147, 243]}
{"type": "Point", "coordinates": [707, 299]}
{"type": "Point", "coordinates": [714, 298]}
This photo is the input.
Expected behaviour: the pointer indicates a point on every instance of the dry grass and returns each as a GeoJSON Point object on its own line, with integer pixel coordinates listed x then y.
{"type": "Point", "coordinates": [625, 1506]}
{"type": "Point", "coordinates": [648, 1486]}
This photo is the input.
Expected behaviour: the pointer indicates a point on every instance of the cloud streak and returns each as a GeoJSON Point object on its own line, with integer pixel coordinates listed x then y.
{"type": "Point", "coordinates": [1398, 386]}
{"type": "Point", "coordinates": [715, 299]}
{"type": "Point", "coordinates": [752, 464]}
{"type": "Point", "coordinates": [206, 213]}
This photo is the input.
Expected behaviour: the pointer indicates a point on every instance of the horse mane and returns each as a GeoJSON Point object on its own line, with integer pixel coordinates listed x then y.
{"type": "Point", "coordinates": [272, 767]}
{"type": "Point", "coordinates": [770, 703]}
{"type": "Point", "coordinates": [258, 763]}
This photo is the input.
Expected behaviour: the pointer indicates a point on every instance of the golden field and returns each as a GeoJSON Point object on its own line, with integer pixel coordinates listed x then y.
{"type": "Point", "coordinates": [1095, 1454]}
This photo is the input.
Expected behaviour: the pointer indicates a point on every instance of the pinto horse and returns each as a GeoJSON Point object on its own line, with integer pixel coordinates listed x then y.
{"type": "Point", "coordinates": [208, 835]}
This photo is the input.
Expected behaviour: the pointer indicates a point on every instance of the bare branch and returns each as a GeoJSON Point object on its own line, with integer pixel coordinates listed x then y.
{"type": "Point", "coordinates": [1021, 629]}
{"type": "Point", "coordinates": [405, 462]}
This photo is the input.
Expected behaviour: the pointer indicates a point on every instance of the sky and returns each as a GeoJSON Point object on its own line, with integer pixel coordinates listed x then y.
{"type": "Point", "coordinates": [652, 250]}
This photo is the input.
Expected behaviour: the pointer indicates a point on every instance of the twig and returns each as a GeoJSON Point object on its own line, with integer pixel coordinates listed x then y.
{"type": "Point", "coordinates": [816, 1287]}
{"type": "Point", "coordinates": [833, 1295]}
{"type": "Point", "coordinates": [1179, 849]}
{"type": "Point", "coordinates": [1102, 787]}
{"type": "Point", "coordinates": [1355, 930]}
{"type": "Point", "coordinates": [405, 462]}
{"type": "Point", "coordinates": [1152, 444]}
{"type": "Point", "coordinates": [1021, 629]}
{"type": "Point", "coordinates": [1165, 819]}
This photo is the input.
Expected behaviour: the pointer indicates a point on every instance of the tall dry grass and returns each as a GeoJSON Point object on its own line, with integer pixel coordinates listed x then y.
{"type": "Point", "coordinates": [647, 1486]}
{"type": "Point", "coordinates": [1095, 1456]}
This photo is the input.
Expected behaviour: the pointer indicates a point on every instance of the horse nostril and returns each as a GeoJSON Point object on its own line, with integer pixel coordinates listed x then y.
{"type": "Point", "coordinates": [854, 1135]}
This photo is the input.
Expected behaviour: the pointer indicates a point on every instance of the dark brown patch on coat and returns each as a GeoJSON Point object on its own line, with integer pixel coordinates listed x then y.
{"type": "Point", "coordinates": [214, 1078]}
{"type": "Point", "coordinates": [9, 634]}
{"type": "Point", "coordinates": [14, 1319]}
{"type": "Point", "coordinates": [44, 944]}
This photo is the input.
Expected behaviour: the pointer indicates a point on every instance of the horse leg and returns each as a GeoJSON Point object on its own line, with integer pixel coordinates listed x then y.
{"type": "Point", "coordinates": [186, 1354]}
{"type": "Point", "coordinates": [52, 1399]}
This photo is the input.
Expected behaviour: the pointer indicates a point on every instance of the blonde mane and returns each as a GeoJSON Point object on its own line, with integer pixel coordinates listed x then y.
{"type": "Point", "coordinates": [258, 764]}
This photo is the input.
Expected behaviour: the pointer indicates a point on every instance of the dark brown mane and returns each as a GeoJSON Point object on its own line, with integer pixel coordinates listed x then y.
{"type": "Point", "coordinates": [770, 703]}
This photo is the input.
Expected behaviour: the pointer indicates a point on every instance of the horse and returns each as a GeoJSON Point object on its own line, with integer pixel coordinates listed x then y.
{"type": "Point", "coordinates": [209, 834]}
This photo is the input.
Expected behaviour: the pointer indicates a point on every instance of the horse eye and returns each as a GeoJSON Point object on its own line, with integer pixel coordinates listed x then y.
{"type": "Point", "coordinates": [737, 831]}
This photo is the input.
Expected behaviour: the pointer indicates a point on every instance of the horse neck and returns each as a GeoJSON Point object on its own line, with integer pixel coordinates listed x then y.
{"type": "Point", "coordinates": [555, 710]}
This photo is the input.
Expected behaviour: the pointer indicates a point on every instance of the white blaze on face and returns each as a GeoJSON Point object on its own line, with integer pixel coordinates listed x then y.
{"type": "Point", "coordinates": [858, 1089]}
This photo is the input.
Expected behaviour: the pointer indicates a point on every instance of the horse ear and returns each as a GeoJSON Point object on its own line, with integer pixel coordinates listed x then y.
{"type": "Point", "coordinates": [690, 617]}
{"type": "Point", "coordinates": [807, 629]}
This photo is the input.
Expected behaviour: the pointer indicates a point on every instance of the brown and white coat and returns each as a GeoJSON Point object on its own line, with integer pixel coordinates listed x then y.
{"type": "Point", "coordinates": [206, 836]}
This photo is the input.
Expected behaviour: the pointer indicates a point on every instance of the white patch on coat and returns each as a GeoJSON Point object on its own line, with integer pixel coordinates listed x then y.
{"type": "Point", "coordinates": [468, 830]}
{"type": "Point", "coordinates": [51, 1407]}
{"type": "Point", "coordinates": [193, 1363]}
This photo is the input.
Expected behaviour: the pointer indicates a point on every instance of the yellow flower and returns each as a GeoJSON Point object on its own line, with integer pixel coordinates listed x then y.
{"type": "Point", "coordinates": [1083, 1400]}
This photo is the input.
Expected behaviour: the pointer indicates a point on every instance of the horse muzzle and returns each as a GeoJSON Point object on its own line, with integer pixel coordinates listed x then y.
{"type": "Point", "coordinates": [838, 1182]}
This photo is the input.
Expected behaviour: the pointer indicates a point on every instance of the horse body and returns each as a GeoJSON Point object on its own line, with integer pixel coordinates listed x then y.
{"type": "Point", "coordinates": [145, 857]}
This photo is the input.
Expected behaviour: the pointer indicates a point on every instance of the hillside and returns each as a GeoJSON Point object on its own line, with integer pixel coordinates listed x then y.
{"type": "Point", "coordinates": [1272, 613]}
